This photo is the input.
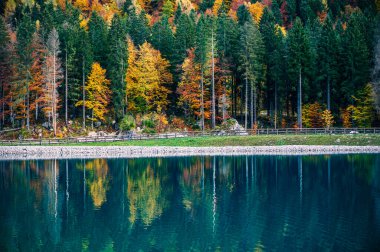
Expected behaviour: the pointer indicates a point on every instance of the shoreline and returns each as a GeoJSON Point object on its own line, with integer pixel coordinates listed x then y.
{"type": "Point", "coordinates": [93, 152]}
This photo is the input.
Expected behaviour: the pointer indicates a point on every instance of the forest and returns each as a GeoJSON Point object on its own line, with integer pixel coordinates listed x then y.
{"type": "Point", "coordinates": [68, 66]}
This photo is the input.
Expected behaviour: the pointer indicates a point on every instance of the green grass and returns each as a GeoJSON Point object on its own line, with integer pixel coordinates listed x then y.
{"type": "Point", "coordinates": [261, 140]}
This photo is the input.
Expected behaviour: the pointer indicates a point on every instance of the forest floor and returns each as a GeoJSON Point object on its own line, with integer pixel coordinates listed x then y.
{"type": "Point", "coordinates": [259, 140]}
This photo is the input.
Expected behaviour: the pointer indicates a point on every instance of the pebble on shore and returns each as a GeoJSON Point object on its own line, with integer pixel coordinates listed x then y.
{"type": "Point", "coordinates": [73, 152]}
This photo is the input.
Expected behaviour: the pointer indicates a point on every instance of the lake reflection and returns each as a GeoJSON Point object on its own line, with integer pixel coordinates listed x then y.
{"type": "Point", "coordinates": [246, 203]}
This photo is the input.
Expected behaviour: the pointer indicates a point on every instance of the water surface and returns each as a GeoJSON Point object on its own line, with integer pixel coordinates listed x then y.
{"type": "Point", "coordinates": [246, 203]}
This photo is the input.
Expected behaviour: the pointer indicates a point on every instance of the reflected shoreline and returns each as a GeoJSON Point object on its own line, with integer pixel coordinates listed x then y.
{"type": "Point", "coordinates": [73, 152]}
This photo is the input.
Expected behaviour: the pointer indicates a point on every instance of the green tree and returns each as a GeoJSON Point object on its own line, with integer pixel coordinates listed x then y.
{"type": "Point", "coordinates": [251, 66]}
{"type": "Point", "coordinates": [138, 29]}
{"type": "Point", "coordinates": [98, 34]}
{"type": "Point", "coordinates": [117, 64]}
{"type": "Point", "coordinates": [298, 60]}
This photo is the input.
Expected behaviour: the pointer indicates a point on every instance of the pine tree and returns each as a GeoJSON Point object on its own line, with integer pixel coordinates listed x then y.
{"type": "Point", "coordinates": [356, 57]}
{"type": "Point", "coordinates": [5, 69]}
{"type": "Point", "coordinates": [98, 36]}
{"type": "Point", "coordinates": [20, 88]}
{"type": "Point", "coordinates": [251, 65]}
{"type": "Point", "coordinates": [327, 59]}
{"type": "Point", "coordinates": [138, 29]}
{"type": "Point", "coordinates": [117, 64]}
{"type": "Point", "coordinates": [298, 60]}
{"type": "Point", "coordinates": [202, 56]}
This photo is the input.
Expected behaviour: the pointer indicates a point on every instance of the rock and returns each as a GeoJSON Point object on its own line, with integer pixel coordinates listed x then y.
{"type": "Point", "coordinates": [338, 140]}
{"type": "Point", "coordinates": [92, 134]}
{"type": "Point", "coordinates": [97, 124]}
{"type": "Point", "coordinates": [46, 125]}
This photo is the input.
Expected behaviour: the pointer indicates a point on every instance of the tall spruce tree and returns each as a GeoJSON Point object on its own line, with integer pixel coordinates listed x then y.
{"type": "Point", "coordinates": [251, 65]}
{"type": "Point", "coordinates": [117, 64]}
{"type": "Point", "coordinates": [298, 61]}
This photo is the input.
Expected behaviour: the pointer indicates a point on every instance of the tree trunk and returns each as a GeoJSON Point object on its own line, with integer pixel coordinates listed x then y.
{"type": "Point", "coordinates": [66, 89]}
{"type": "Point", "coordinates": [54, 94]}
{"type": "Point", "coordinates": [224, 101]}
{"type": "Point", "coordinates": [254, 105]}
{"type": "Point", "coordinates": [246, 102]}
{"type": "Point", "coordinates": [328, 93]}
{"type": "Point", "coordinates": [275, 105]}
{"type": "Point", "coordinates": [27, 107]}
{"type": "Point", "coordinates": [300, 99]}
{"type": "Point", "coordinates": [251, 106]}
{"type": "Point", "coordinates": [84, 97]}
{"type": "Point", "coordinates": [213, 81]}
{"type": "Point", "coordinates": [202, 104]}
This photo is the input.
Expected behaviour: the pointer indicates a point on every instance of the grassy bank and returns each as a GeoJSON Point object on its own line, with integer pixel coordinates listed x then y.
{"type": "Point", "coordinates": [261, 140]}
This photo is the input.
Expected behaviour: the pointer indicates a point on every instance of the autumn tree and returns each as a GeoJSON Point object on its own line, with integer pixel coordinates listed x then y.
{"type": "Point", "coordinates": [98, 93]}
{"type": "Point", "coordinates": [147, 80]}
{"type": "Point", "coordinates": [189, 89]}
{"type": "Point", "coordinates": [53, 77]}
{"type": "Point", "coordinates": [37, 84]}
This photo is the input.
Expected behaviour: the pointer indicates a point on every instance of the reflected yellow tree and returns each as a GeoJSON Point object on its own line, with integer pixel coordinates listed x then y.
{"type": "Point", "coordinates": [147, 199]}
{"type": "Point", "coordinates": [97, 180]}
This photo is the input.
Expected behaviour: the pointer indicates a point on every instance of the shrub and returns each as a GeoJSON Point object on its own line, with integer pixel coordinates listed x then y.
{"type": "Point", "coordinates": [177, 123]}
{"type": "Point", "coordinates": [127, 123]}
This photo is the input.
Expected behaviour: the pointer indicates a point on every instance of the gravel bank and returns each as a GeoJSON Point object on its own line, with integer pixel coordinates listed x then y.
{"type": "Point", "coordinates": [69, 152]}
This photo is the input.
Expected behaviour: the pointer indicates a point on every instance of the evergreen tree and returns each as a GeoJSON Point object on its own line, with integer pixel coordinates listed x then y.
{"type": "Point", "coordinates": [251, 65]}
{"type": "Point", "coordinates": [356, 57]}
{"type": "Point", "coordinates": [25, 32]}
{"type": "Point", "coordinates": [202, 50]}
{"type": "Point", "coordinates": [98, 33]}
{"type": "Point", "coordinates": [298, 60]}
{"type": "Point", "coordinates": [138, 29]}
{"type": "Point", "coordinates": [327, 62]}
{"type": "Point", "coordinates": [117, 64]}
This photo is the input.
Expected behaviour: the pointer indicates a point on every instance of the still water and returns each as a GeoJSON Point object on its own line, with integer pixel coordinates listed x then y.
{"type": "Point", "coordinates": [245, 203]}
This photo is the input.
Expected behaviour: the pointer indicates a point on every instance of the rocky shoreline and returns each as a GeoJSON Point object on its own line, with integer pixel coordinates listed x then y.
{"type": "Point", "coordinates": [89, 152]}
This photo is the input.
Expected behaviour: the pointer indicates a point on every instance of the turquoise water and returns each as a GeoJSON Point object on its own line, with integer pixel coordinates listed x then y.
{"type": "Point", "coordinates": [246, 203]}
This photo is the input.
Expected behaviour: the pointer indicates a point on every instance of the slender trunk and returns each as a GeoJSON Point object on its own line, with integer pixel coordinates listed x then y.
{"type": "Point", "coordinates": [84, 97]}
{"type": "Point", "coordinates": [300, 99]}
{"type": "Point", "coordinates": [27, 107]}
{"type": "Point", "coordinates": [224, 100]}
{"type": "Point", "coordinates": [2, 105]}
{"type": "Point", "coordinates": [202, 104]}
{"type": "Point", "coordinates": [251, 106]}
{"type": "Point", "coordinates": [275, 105]}
{"type": "Point", "coordinates": [246, 101]}
{"type": "Point", "coordinates": [66, 88]}
{"type": "Point", "coordinates": [36, 108]}
{"type": "Point", "coordinates": [328, 93]}
{"type": "Point", "coordinates": [54, 98]}
{"type": "Point", "coordinates": [213, 81]}
{"type": "Point", "coordinates": [254, 105]}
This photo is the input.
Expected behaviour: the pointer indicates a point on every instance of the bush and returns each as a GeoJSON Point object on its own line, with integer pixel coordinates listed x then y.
{"type": "Point", "coordinates": [148, 123]}
{"type": "Point", "coordinates": [177, 123]}
{"type": "Point", "coordinates": [127, 123]}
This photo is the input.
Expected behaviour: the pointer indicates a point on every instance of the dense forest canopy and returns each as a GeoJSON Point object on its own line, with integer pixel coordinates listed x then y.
{"type": "Point", "coordinates": [176, 64]}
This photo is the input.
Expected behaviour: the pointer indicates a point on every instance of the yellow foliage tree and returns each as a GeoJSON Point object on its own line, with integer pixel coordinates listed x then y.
{"type": "Point", "coordinates": [97, 93]}
{"type": "Point", "coordinates": [328, 118]}
{"type": "Point", "coordinates": [216, 7]}
{"type": "Point", "coordinates": [256, 10]}
{"type": "Point", "coordinates": [147, 79]}
{"type": "Point", "coordinates": [311, 115]}
{"type": "Point", "coordinates": [98, 180]}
